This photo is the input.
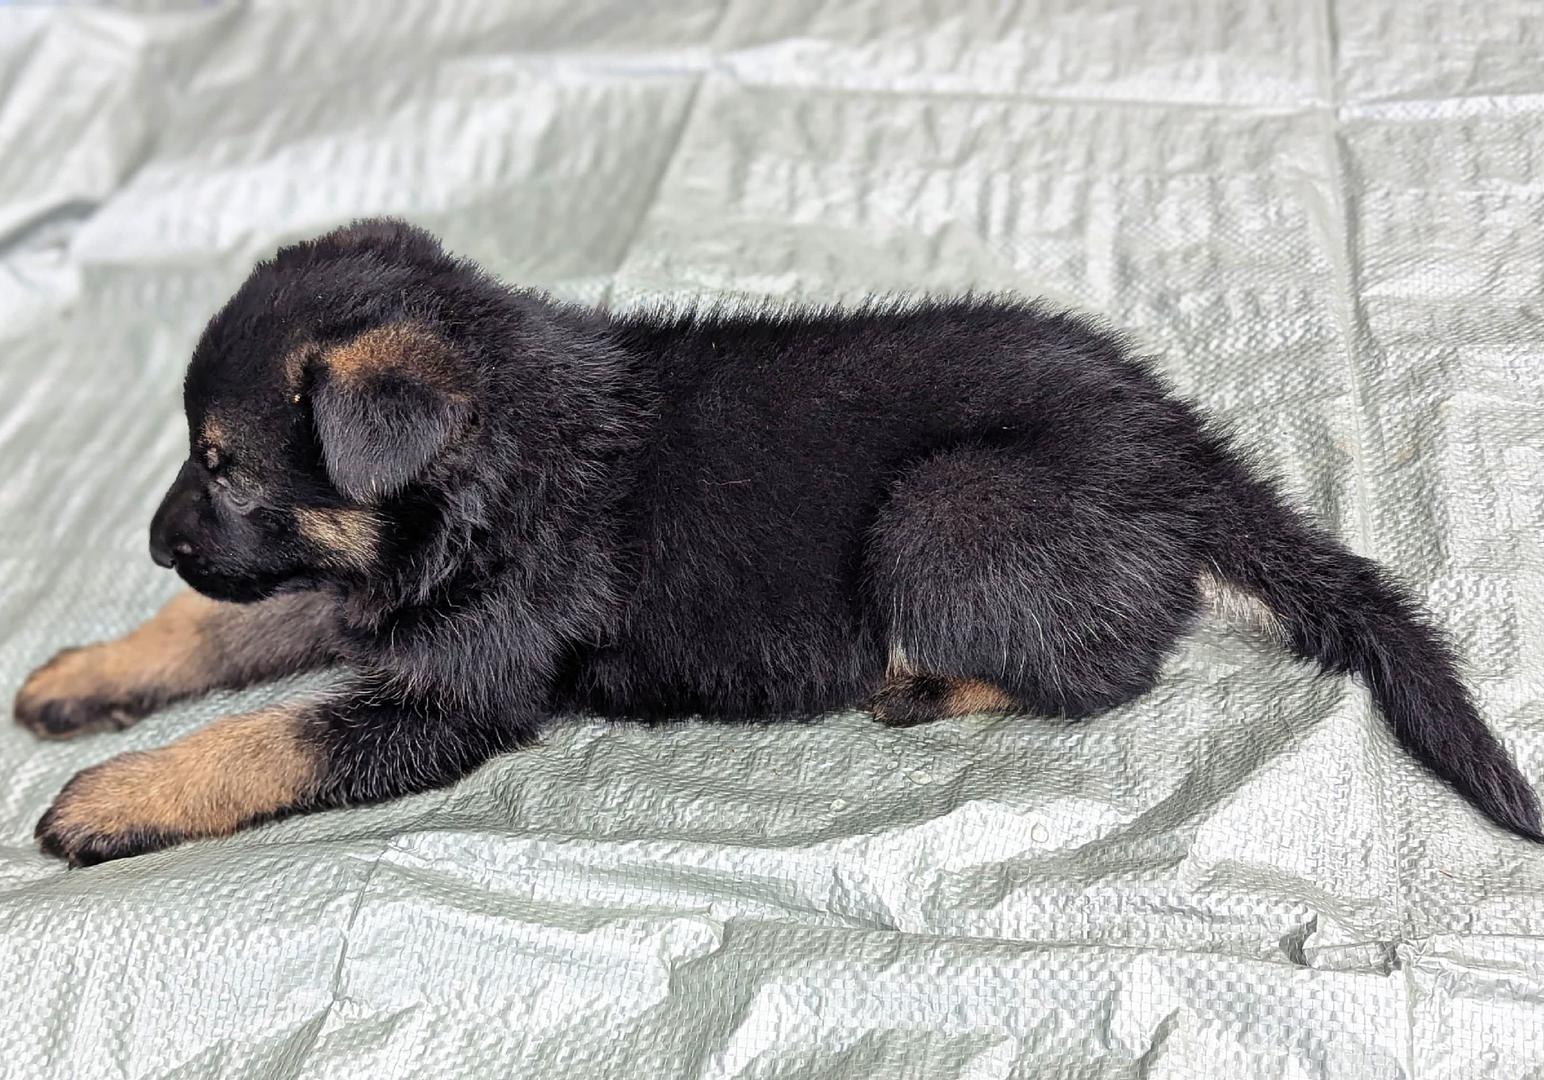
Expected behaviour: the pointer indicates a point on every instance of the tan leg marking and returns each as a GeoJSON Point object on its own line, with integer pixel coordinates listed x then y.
{"type": "Point", "coordinates": [967, 697]}
{"type": "Point", "coordinates": [907, 699]}
{"type": "Point", "coordinates": [164, 658]}
{"type": "Point", "coordinates": [191, 646]}
{"type": "Point", "coordinates": [210, 783]}
{"type": "Point", "coordinates": [351, 535]}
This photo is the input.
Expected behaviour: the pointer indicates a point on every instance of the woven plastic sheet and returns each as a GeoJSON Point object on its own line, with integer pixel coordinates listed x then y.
{"type": "Point", "coordinates": [1323, 219]}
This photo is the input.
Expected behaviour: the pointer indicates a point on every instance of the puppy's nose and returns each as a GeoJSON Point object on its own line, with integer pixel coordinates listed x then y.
{"type": "Point", "coordinates": [160, 553]}
{"type": "Point", "coordinates": [167, 547]}
{"type": "Point", "coordinates": [166, 553]}
{"type": "Point", "coordinates": [169, 527]}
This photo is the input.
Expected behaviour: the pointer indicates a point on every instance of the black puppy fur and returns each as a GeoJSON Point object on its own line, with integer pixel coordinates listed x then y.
{"type": "Point", "coordinates": [524, 509]}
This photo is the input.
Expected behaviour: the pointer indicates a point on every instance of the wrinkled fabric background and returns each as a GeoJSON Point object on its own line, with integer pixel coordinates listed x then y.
{"type": "Point", "coordinates": [1324, 220]}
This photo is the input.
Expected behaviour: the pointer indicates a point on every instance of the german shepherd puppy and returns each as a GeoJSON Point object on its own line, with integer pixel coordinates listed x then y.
{"type": "Point", "coordinates": [493, 508]}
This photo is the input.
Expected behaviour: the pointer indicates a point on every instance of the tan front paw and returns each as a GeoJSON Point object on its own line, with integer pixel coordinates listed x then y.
{"type": "Point", "coordinates": [233, 773]}
{"type": "Point", "coordinates": [79, 692]}
{"type": "Point", "coordinates": [119, 808]}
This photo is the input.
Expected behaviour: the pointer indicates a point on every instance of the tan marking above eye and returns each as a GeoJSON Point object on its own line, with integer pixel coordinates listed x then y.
{"type": "Point", "coordinates": [294, 366]}
{"type": "Point", "coordinates": [212, 434]}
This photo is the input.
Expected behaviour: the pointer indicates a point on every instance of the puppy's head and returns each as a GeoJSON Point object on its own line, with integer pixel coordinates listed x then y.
{"type": "Point", "coordinates": [317, 398]}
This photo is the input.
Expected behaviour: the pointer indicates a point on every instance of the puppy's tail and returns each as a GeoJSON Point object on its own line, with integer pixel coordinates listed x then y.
{"type": "Point", "coordinates": [1340, 610]}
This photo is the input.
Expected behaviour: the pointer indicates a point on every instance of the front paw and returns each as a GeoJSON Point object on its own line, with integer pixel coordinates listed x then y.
{"type": "Point", "coordinates": [109, 811]}
{"type": "Point", "coordinates": [234, 773]}
{"type": "Point", "coordinates": [77, 693]}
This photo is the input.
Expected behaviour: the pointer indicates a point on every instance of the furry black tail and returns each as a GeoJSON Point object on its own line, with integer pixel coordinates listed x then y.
{"type": "Point", "coordinates": [1341, 611]}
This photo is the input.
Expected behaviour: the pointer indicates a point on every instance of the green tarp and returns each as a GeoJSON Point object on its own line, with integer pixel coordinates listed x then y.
{"type": "Point", "coordinates": [1323, 220]}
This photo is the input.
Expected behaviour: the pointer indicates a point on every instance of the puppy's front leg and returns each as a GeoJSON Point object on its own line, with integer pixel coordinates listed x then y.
{"type": "Point", "coordinates": [365, 746]}
{"type": "Point", "coordinates": [191, 646]}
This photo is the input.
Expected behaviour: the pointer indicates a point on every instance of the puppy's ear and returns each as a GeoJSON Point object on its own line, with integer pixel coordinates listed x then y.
{"type": "Point", "coordinates": [386, 404]}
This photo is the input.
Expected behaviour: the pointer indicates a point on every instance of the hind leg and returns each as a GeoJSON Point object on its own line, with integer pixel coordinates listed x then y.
{"type": "Point", "coordinates": [1007, 583]}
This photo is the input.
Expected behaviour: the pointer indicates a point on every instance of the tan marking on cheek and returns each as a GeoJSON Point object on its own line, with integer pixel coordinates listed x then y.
{"type": "Point", "coordinates": [351, 535]}
{"type": "Point", "coordinates": [209, 783]}
{"type": "Point", "coordinates": [970, 696]}
{"type": "Point", "coordinates": [403, 346]}
{"type": "Point", "coordinates": [168, 652]}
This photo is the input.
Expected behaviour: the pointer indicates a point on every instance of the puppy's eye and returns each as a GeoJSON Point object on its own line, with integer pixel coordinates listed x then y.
{"type": "Point", "coordinates": [239, 501]}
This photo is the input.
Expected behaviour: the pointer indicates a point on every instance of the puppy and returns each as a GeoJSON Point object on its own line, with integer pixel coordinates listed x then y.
{"type": "Point", "coordinates": [493, 508]}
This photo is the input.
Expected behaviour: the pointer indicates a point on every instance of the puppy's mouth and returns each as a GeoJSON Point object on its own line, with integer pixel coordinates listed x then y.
{"type": "Point", "coordinates": [238, 589]}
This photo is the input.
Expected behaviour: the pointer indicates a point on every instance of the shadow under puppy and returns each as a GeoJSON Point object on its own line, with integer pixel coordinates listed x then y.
{"type": "Point", "coordinates": [494, 508]}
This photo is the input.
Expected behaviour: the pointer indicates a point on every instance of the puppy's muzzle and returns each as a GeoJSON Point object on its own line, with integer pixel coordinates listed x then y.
{"type": "Point", "coordinates": [173, 524]}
